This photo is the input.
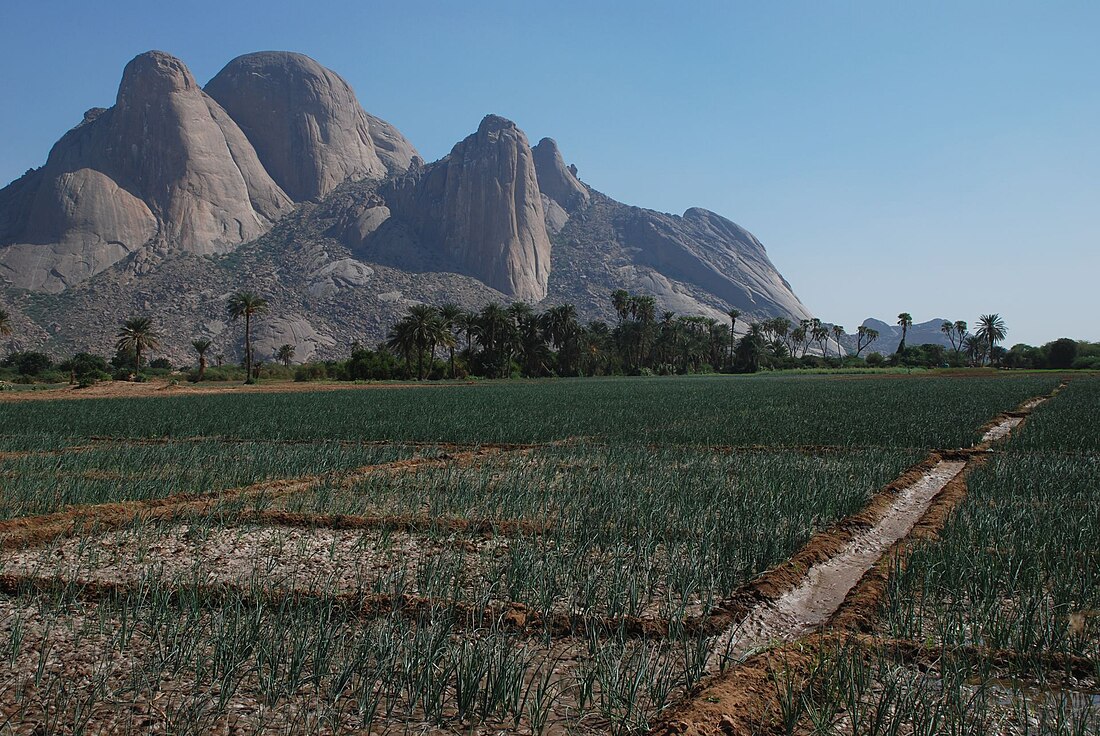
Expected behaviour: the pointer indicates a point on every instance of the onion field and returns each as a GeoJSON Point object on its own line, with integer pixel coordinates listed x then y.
{"type": "Point", "coordinates": [544, 557]}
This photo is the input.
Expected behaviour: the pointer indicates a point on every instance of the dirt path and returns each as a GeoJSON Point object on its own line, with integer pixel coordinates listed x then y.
{"type": "Point", "coordinates": [163, 388]}
{"type": "Point", "coordinates": [23, 532]}
{"type": "Point", "coordinates": [839, 593]}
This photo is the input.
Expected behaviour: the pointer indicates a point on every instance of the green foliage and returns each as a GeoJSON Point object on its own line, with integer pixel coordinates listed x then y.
{"type": "Point", "coordinates": [753, 410]}
{"type": "Point", "coordinates": [28, 363]}
{"type": "Point", "coordinates": [1061, 353]}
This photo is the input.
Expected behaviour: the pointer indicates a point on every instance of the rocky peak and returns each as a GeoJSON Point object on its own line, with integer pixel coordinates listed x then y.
{"type": "Point", "coordinates": [165, 166]}
{"type": "Point", "coordinates": [306, 124]}
{"type": "Point", "coordinates": [479, 209]}
{"type": "Point", "coordinates": [556, 180]}
{"type": "Point", "coordinates": [153, 74]}
{"type": "Point", "coordinates": [493, 221]}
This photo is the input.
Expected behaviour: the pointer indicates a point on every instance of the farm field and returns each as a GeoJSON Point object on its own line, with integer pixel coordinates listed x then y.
{"type": "Point", "coordinates": [992, 626]}
{"type": "Point", "coordinates": [554, 556]}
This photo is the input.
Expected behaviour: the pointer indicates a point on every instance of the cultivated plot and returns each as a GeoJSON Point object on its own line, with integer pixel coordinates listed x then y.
{"type": "Point", "coordinates": [562, 561]}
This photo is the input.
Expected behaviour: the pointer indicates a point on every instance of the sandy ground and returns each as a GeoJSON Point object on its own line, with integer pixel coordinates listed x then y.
{"type": "Point", "coordinates": [160, 387]}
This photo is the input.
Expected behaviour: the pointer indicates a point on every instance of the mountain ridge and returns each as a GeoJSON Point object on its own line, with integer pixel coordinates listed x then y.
{"type": "Point", "coordinates": [331, 213]}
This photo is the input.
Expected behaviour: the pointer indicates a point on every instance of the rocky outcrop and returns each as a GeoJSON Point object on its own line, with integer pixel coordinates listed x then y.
{"type": "Point", "coordinates": [480, 210]}
{"type": "Point", "coordinates": [713, 254]}
{"type": "Point", "coordinates": [169, 170]}
{"type": "Point", "coordinates": [306, 124]}
{"type": "Point", "coordinates": [294, 330]}
{"type": "Point", "coordinates": [556, 180]}
{"type": "Point", "coordinates": [166, 166]}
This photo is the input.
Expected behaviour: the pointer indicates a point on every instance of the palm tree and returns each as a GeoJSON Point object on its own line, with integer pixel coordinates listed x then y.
{"type": "Point", "coordinates": [285, 354]}
{"type": "Point", "coordinates": [248, 305]}
{"type": "Point", "coordinates": [991, 330]}
{"type": "Point", "coordinates": [495, 335]}
{"type": "Point", "coordinates": [975, 349]}
{"type": "Point", "coordinates": [961, 330]}
{"type": "Point", "coordinates": [734, 314]}
{"type": "Point", "coordinates": [5, 323]}
{"type": "Point", "coordinates": [137, 335]}
{"type": "Point", "coordinates": [427, 329]}
{"type": "Point", "coordinates": [620, 300]}
{"type": "Point", "coordinates": [838, 332]}
{"type": "Point", "coordinates": [819, 331]}
{"type": "Point", "coordinates": [906, 321]}
{"type": "Point", "coordinates": [402, 339]}
{"type": "Point", "coordinates": [201, 345]}
{"type": "Point", "coordinates": [533, 350]}
{"type": "Point", "coordinates": [948, 328]}
{"type": "Point", "coordinates": [450, 315]}
{"type": "Point", "coordinates": [864, 337]}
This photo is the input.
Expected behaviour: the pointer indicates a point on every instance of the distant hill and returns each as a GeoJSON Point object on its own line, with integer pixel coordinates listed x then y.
{"type": "Point", "coordinates": [273, 178]}
{"type": "Point", "coordinates": [921, 333]}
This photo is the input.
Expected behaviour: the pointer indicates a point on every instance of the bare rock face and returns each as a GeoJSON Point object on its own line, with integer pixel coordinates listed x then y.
{"type": "Point", "coordinates": [306, 124]}
{"type": "Point", "coordinates": [293, 329]}
{"type": "Point", "coordinates": [556, 180]}
{"type": "Point", "coordinates": [481, 207]}
{"type": "Point", "coordinates": [714, 254]}
{"type": "Point", "coordinates": [331, 278]}
{"type": "Point", "coordinates": [165, 165]}
{"type": "Point", "coordinates": [80, 223]}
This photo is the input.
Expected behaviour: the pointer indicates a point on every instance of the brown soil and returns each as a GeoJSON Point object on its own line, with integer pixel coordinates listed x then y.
{"type": "Point", "coordinates": [126, 389]}
{"type": "Point", "coordinates": [31, 531]}
{"type": "Point", "coordinates": [398, 522]}
{"type": "Point", "coordinates": [932, 657]}
{"type": "Point", "coordinates": [745, 699]}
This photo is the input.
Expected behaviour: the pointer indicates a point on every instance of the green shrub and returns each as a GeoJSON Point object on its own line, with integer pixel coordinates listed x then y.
{"type": "Point", "coordinates": [28, 363]}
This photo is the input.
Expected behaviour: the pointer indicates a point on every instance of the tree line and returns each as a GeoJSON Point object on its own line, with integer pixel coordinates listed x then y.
{"type": "Point", "coordinates": [500, 341]}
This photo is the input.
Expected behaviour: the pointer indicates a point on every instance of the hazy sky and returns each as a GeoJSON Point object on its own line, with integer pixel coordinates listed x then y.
{"type": "Point", "coordinates": [941, 157]}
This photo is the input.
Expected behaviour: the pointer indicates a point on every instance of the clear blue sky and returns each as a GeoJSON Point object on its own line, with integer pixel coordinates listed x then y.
{"type": "Point", "coordinates": [941, 158]}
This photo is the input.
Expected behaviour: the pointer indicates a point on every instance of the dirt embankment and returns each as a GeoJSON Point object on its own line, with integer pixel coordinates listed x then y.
{"type": "Point", "coordinates": [835, 599]}
{"type": "Point", "coordinates": [30, 531]}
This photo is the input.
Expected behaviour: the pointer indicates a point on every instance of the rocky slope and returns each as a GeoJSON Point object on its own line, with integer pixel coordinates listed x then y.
{"type": "Point", "coordinates": [306, 124]}
{"type": "Point", "coordinates": [165, 168]}
{"type": "Point", "coordinates": [275, 179]}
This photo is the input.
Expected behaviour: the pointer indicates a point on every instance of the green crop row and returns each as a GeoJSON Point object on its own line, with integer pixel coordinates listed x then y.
{"type": "Point", "coordinates": [609, 531]}
{"type": "Point", "coordinates": [108, 472]}
{"type": "Point", "coordinates": [1018, 566]}
{"type": "Point", "coordinates": [1070, 424]}
{"type": "Point", "coordinates": [918, 412]}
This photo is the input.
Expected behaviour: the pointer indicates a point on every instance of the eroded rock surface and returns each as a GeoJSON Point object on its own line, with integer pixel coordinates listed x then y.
{"type": "Point", "coordinates": [165, 166]}
{"type": "Point", "coordinates": [306, 124]}
{"type": "Point", "coordinates": [480, 208]}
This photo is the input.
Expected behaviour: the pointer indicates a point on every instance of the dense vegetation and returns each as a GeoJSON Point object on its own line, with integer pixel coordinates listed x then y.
{"type": "Point", "coordinates": [921, 412]}
{"type": "Point", "coordinates": [431, 597]}
{"type": "Point", "coordinates": [517, 341]}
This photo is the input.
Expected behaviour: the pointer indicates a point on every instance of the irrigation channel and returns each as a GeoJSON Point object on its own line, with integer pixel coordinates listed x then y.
{"type": "Point", "coordinates": [740, 700]}
{"type": "Point", "coordinates": [782, 607]}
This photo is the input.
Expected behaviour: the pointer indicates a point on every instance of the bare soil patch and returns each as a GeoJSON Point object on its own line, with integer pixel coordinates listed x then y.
{"type": "Point", "coordinates": [31, 531]}
{"type": "Point", "coordinates": [155, 388]}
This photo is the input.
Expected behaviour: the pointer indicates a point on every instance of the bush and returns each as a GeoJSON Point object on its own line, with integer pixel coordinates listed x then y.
{"type": "Point", "coordinates": [1087, 363]}
{"type": "Point", "coordinates": [86, 369]}
{"type": "Point", "coordinates": [28, 363]}
{"type": "Point", "coordinates": [1062, 353]}
{"type": "Point", "coordinates": [215, 373]}
{"type": "Point", "coordinates": [311, 372]}
{"type": "Point", "coordinates": [162, 364]}
{"type": "Point", "coordinates": [875, 360]}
